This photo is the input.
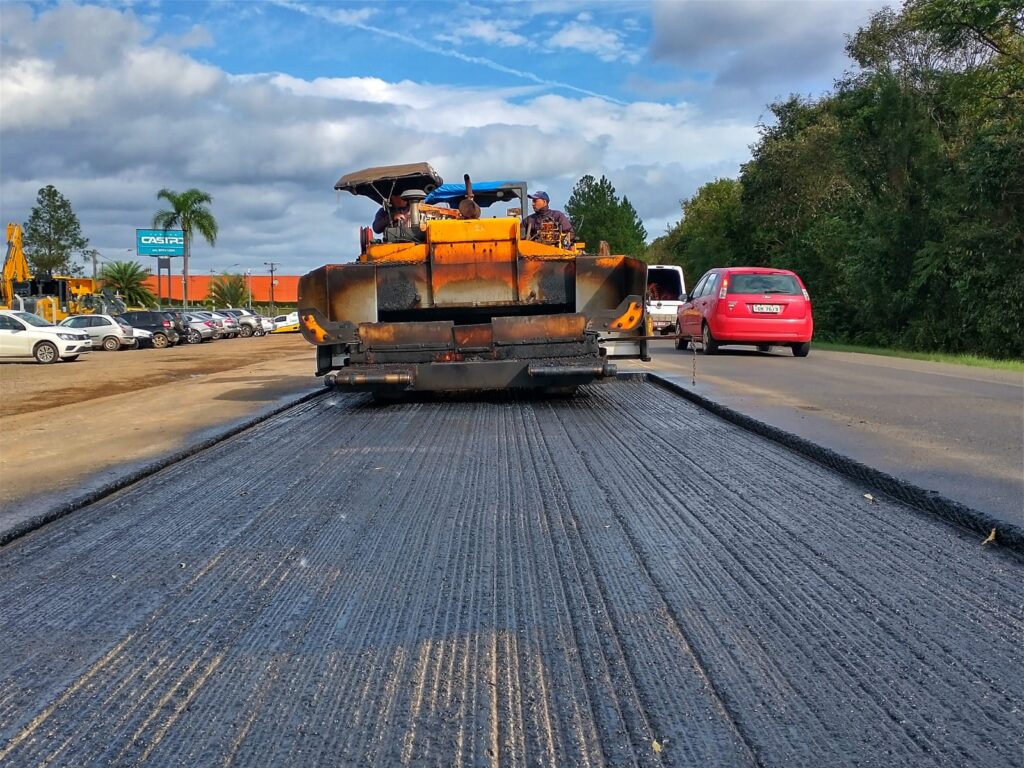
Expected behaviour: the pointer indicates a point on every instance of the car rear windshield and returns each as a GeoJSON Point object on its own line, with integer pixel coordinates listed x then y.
{"type": "Point", "coordinates": [663, 285]}
{"type": "Point", "coordinates": [755, 283]}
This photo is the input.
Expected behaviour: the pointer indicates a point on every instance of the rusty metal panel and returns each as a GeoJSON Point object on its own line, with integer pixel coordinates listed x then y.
{"type": "Point", "coordinates": [473, 284]}
{"type": "Point", "coordinates": [405, 286]}
{"type": "Point", "coordinates": [352, 292]}
{"type": "Point", "coordinates": [396, 252]}
{"type": "Point", "coordinates": [602, 282]}
{"type": "Point", "coordinates": [313, 291]}
{"type": "Point", "coordinates": [472, 230]}
{"type": "Point", "coordinates": [547, 281]}
{"type": "Point", "coordinates": [517, 330]}
{"type": "Point", "coordinates": [482, 251]}
{"type": "Point", "coordinates": [478, 336]}
{"type": "Point", "coordinates": [534, 250]}
{"type": "Point", "coordinates": [433, 334]}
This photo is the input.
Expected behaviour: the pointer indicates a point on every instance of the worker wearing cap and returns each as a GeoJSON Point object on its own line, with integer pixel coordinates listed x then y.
{"type": "Point", "coordinates": [395, 213]}
{"type": "Point", "coordinates": [542, 213]}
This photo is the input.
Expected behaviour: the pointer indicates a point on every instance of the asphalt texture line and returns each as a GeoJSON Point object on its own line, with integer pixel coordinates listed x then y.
{"type": "Point", "coordinates": [619, 578]}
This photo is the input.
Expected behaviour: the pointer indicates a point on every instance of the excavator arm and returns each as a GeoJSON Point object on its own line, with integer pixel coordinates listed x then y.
{"type": "Point", "coordinates": [15, 264]}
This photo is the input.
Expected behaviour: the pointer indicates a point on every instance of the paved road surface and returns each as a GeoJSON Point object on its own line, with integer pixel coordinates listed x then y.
{"type": "Point", "coordinates": [559, 583]}
{"type": "Point", "coordinates": [954, 429]}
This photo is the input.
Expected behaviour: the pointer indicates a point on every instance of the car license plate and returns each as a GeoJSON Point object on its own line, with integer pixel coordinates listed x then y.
{"type": "Point", "coordinates": [768, 309]}
{"type": "Point", "coordinates": [660, 323]}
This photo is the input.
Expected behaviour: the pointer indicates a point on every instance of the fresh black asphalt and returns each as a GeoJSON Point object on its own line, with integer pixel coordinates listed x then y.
{"type": "Point", "coordinates": [620, 578]}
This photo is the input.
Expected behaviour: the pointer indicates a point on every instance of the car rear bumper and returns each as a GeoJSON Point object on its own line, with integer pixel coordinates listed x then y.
{"type": "Point", "coordinates": [757, 330]}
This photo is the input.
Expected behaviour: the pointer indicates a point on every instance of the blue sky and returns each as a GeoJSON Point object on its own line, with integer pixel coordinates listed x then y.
{"type": "Point", "coordinates": [266, 104]}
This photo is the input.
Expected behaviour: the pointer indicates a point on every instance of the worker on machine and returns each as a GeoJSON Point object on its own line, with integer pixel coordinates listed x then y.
{"type": "Point", "coordinates": [546, 224]}
{"type": "Point", "coordinates": [394, 213]}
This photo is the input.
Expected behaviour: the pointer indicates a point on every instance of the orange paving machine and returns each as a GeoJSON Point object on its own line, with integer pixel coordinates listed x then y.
{"type": "Point", "coordinates": [446, 300]}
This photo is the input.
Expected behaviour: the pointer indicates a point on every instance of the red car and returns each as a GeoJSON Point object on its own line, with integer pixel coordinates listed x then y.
{"type": "Point", "coordinates": [748, 305]}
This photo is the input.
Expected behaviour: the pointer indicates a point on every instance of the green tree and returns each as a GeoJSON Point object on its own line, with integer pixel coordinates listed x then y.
{"type": "Point", "coordinates": [708, 233]}
{"type": "Point", "coordinates": [189, 213]}
{"type": "Point", "coordinates": [53, 234]}
{"type": "Point", "coordinates": [897, 197]}
{"type": "Point", "coordinates": [128, 279]}
{"type": "Point", "coordinates": [598, 214]}
{"type": "Point", "coordinates": [227, 291]}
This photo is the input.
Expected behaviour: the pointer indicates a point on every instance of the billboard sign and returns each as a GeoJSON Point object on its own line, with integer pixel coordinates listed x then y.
{"type": "Point", "coordinates": [157, 242]}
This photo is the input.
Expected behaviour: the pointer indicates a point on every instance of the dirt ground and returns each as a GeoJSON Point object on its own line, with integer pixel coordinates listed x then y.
{"type": "Point", "coordinates": [69, 428]}
{"type": "Point", "coordinates": [28, 387]}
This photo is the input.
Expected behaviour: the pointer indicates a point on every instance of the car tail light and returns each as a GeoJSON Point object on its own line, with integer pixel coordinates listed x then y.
{"type": "Point", "coordinates": [807, 296]}
{"type": "Point", "coordinates": [208, 324]}
{"type": "Point", "coordinates": [167, 323]}
{"type": "Point", "coordinates": [724, 289]}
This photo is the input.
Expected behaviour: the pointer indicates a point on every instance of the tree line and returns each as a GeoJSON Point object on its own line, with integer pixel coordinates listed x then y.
{"type": "Point", "coordinates": [899, 196]}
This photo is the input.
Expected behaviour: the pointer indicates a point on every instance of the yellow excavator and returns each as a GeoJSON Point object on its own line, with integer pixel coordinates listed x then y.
{"type": "Point", "coordinates": [448, 300]}
{"type": "Point", "coordinates": [52, 297]}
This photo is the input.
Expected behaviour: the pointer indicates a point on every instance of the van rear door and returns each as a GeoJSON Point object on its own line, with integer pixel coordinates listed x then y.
{"type": "Point", "coordinates": [666, 291]}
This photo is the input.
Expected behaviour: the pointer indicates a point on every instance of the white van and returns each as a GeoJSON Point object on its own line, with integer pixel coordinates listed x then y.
{"type": "Point", "coordinates": [666, 291]}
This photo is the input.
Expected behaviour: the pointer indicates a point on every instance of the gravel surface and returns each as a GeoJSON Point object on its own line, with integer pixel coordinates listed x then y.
{"type": "Point", "coordinates": [616, 579]}
{"type": "Point", "coordinates": [27, 387]}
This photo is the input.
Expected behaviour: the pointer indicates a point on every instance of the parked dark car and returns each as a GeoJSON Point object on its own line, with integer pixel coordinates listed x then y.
{"type": "Point", "coordinates": [164, 334]}
{"type": "Point", "coordinates": [180, 325]}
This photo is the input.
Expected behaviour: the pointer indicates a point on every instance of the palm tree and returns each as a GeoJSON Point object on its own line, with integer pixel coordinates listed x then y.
{"type": "Point", "coordinates": [188, 213]}
{"type": "Point", "coordinates": [227, 291]}
{"type": "Point", "coordinates": [128, 279]}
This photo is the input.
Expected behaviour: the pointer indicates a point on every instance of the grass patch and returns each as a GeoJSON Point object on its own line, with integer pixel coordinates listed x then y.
{"type": "Point", "coordinates": [936, 357]}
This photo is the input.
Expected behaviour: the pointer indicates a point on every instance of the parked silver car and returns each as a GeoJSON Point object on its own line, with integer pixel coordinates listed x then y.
{"type": "Point", "coordinates": [248, 322]}
{"type": "Point", "coordinates": [231, 327]}
{"type": "Point", "coordinates": [199, 328]}
{"type": "Point", "coordinates": [107, 332]}
{"type": "Point", "coordinates": [222, 330]}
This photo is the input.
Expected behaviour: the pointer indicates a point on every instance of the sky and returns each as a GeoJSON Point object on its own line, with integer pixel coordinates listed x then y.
{"type": "Point", "coordinates": [266, 104]}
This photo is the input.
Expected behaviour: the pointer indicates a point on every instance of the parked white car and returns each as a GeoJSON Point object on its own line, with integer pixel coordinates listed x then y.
{"type": "Point", "coordinates": [107, 331]}
{"type": "Point", "coordinates": [27, 336]}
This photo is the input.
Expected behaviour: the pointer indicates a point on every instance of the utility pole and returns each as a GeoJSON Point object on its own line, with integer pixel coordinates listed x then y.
{"type": "Point", "coordinates": [272, 266]}
{"type": "Point", "coordinates": [93, 254]}
{"type": "Point", "coordinates": [248, 287]}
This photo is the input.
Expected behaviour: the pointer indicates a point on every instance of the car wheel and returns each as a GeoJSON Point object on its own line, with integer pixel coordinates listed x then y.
{"type": "Point", "coordinates": [803, 349]}
{"type": "Point", "coordinates": [111, 344]}
{"type": "Point", "coordinates": [194, 337]}
{"type": "Point", "coordinates": [763, 347]}
{"type": "Point", "coordinates": [245, 331]}
{"type": "Point", "coordinates": [45, 353]}
{"type": "Point", "coordinates": [708, 340]}
{"type": "Point", "coordinates": [682, 343]}
{"type": "Point", "coordinates": [160, 341]}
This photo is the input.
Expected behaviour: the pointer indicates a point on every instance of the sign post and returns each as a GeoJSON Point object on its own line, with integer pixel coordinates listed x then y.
{"type": "Point", "coordinates": [163, 244]}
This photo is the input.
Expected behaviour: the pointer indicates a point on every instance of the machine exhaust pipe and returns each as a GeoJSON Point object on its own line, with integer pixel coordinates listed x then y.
{"type": "Point", "coordinates": [597, 371]}
{"type": "Point", "coordinates": [383, 380]}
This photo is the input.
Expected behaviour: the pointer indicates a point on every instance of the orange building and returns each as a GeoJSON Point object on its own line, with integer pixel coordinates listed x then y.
{"type": "Point", "coordinates": [286, 289]}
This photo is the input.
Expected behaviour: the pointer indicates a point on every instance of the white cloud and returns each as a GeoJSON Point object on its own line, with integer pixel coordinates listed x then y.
{"type": "Point", "coordinates": [269, 146]}
{"type": "Point", "coordinates": [492, 32]}
{"type": "Point", "coordinates": [606, 44]}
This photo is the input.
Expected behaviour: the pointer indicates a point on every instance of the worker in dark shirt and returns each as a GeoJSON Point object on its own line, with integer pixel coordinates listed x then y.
{"type": "Point", "coordinates": [395, 213]}
{"type": "Point", "coordinates": [533, 225]}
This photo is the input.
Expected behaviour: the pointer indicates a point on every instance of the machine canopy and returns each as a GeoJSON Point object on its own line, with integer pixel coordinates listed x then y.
{"type": "Point", "coordinates": [486, 193]}
{"type": "Point", "coordinates": [380, 183]}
